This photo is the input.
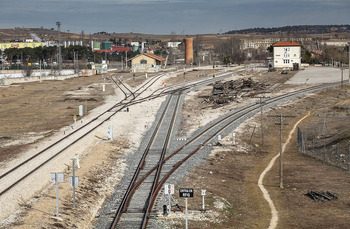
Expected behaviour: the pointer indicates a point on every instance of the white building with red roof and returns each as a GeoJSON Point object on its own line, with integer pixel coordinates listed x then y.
{"type": "Point", "coordinates": [286, 53]}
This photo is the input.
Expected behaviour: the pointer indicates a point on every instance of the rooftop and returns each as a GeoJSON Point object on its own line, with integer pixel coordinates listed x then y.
{"type": "Point", "coordinates": [286, 43]}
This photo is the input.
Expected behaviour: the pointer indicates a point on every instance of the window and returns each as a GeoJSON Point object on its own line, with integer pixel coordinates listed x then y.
{"type": "Point", "coordinates": [286, 61]}
{"type": "Point", "coordinates": [143, 61]}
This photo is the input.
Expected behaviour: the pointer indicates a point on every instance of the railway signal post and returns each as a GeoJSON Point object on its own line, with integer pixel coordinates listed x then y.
{"type": "Point", "coordinates": [170, 190]}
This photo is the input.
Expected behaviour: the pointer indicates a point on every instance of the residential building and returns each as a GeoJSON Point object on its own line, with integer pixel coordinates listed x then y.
{"type": "Point", "coordinates": [286, 54]}
{"type": "Point", "coordinates": [173, 44]}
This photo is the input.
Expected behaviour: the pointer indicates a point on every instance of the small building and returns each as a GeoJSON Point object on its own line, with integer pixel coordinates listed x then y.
{"type": "Point", "coordinates": [146, 62]}
{"type": "Point", "coordinates": [173, 44]}
{"type": "Point", "coordinates": [286, 54]}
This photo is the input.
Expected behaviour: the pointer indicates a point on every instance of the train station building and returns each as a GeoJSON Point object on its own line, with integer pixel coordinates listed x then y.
{"type": "Point", "coordinates": [286, 54]}
{"type": "Point", "coordinates": [146, 62]}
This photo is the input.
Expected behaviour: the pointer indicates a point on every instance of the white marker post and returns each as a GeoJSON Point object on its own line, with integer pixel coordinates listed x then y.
{"type": "Point", "coordinates": [219, 137]}
{"type": "Point", "coordinates": [203, 195]}
{"type": "Point", "coordinates": [72, 181]}
{"type": "Point", "coordinates": [110, 132]}
{"type": "Point", "coordinates": [80, 110]}
{"type": "Point", "coordinates": [233, 138]}
{"type": "Point", "coordinates": [77, 157]}
{"type": "Point", "coordinates": [103, 87]}
{"type": "Point", "coordinates": [57, 177]}
{"type": "Point", "coordinates": [186, 212]}
{"type": "Point", "coordinates": [186, 192]}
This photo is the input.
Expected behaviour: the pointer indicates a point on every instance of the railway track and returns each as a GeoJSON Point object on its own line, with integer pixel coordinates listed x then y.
{"type": "Point", "coordinates": [131, 211]}
{"type": "Point", "coordinates": [13, 176]}
{"type": "Point", "coordinates": [172, 161]}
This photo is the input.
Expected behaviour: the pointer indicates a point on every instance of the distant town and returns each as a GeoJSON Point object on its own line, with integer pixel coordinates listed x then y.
{"type": "Point", "coordinates": [325, 44]}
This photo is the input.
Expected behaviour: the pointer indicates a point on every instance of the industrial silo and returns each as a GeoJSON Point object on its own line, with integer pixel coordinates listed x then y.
{"type": "Point", "coordinates": [189, 50]}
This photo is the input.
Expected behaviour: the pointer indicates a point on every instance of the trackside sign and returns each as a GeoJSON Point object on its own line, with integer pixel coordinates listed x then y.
{"type": "Point", "coordinates": [186, 192]}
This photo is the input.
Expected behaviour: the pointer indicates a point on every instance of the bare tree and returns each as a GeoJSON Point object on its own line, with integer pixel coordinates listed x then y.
{"type": "Point", "coordinates": [27, 70]}
{"type": "Point", "coordinates": [197, 48]}
{"type": "Point", "coordinates": [172, 36]}
{"type": "Point", "coordinates": [230, 49]}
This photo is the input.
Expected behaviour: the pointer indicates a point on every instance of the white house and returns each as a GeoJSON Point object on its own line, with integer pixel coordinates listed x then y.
{"type": "Point", "coordinates": [173, 44]}
{"type": "Point", "coordinates": [286, 53]}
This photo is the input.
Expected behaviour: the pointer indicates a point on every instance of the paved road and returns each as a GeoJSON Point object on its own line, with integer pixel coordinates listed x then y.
{"type": "Point", "coordinates": [316, 75]}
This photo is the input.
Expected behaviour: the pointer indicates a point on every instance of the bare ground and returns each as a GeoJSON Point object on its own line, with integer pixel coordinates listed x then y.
{"type": "Point", "coordinates": [230, 175]}
{"type": "Point", "coordinates": [32, 111]}
{"type": "Point", "coordinates": [101, 167]}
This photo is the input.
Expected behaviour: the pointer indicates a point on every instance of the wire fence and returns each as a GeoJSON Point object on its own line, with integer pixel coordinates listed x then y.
{"type": "Point", "coordinates": [326, 140]}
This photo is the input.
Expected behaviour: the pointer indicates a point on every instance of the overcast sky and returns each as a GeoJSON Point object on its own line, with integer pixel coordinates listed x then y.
{"type": "Point", "coordinates": [165, 16]}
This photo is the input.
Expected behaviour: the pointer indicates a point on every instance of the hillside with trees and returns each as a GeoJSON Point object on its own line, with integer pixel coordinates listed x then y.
{"type": "Point", "coordinates": [306, 29]}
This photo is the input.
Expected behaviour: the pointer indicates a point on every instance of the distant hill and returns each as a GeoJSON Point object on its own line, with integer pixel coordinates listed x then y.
{"type": "Point", "coordinates": [307, 29]}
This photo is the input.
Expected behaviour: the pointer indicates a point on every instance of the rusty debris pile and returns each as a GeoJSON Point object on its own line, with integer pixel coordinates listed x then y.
{"type": "Point", "coordinates": [321, 196]}
{"type": "Point", "coordinates": [224, 92]}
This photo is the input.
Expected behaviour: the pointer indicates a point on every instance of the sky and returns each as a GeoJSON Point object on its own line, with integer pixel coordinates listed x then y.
{"type": "Point", "coordinates": [170, 16]}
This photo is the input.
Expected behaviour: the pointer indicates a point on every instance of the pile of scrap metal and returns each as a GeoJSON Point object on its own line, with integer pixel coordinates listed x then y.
{"type": "Point", "coordinates": [321, 196]}
{"type": "Point", "coordinates": [223, 92]}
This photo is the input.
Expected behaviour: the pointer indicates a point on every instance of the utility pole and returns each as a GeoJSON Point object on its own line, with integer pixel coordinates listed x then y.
{"type": "Point", "coordinates": [2, 59]}
{"type": "Point", "coordinates": [342, 75]}
{"type": "Point", "coordinates": [349, 61]}
{"type": "Point", "coordinates": [261, 120]}
{"type": "Point", "coordinates": [261, 102]}
{"type": "Point", "coordinates": [280, 123]}
{"type": "Point", "coordinates": [59, 45]}
{"type": "Point", "coordinates": [126, 59]}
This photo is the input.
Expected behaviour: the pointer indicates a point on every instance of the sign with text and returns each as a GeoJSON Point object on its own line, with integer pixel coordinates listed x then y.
{"type": "Point", "coordinates": [186, 192]}
{"type": "Point", "coordinates": [76, 181]}
{"type": "Point", "coordinates": [60, 177]}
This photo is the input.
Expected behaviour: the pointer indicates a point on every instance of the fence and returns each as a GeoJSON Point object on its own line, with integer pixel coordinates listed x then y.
{"type": "Point", "coordinates": [326, 140]}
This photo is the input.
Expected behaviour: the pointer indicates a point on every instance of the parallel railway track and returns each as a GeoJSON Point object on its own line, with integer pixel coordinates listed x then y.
{"type": "Point", "coordinates": [10, 177]}
{"type": "Point", "coordinates": [78, 134]}
{"type": "Point", "coordinates": [192, 147]}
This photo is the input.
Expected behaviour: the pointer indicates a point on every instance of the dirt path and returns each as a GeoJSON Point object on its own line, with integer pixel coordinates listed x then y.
{"type": "Point", "coordinates": [274, 212]}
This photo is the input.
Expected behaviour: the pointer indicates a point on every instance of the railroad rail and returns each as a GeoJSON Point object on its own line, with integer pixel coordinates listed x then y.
{"type": "Point", "coordinates": [87, 127]}
{"type": "Point", "coordinates": [192, 146]}
{"type": "Point", "coordinates": [130, 98]}
{"type": "Point", "coordinates": [133, 206]}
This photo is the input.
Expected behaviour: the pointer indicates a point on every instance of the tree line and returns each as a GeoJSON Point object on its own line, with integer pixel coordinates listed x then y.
{"type": "Point", "coordinates": [49, 55]}
{"type": "Point", "coordinates": [308, 29]}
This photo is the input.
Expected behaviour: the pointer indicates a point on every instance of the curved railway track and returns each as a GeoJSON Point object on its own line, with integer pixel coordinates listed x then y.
{"type": "Point", "coordinates": [191, 147]}
{"type": "Point", "coordinates": [81, 132]}
{"type": "Point", "coordinates": [10, 177]}
{"type": "Point", "coordinates": [132, 207]}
